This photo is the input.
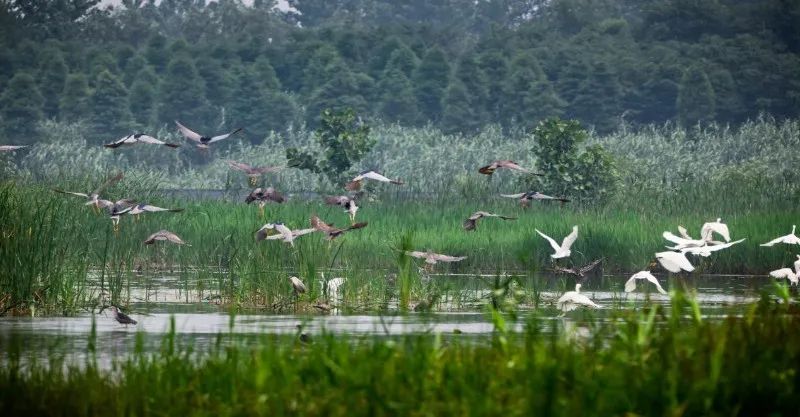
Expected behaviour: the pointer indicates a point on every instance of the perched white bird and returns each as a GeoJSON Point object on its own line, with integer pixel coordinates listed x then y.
{"type": "Point", "coordinates": [332, 286]}
{"type": "Point", "coordinates": [574, 299]}
{"type": "Point", "coordinates": [562, 251]}
{"type": "Point", "coordinates": [355, 183]}
{"type": "Point", "coordinates": [718, 227]}
{"type": "Point", "coordinates": [297, 286]}
{"type": "Point", "coordinates": [706, 250]}
{"type": "Point", "coordinates": [786, 273]}
{"type": "Point", "coordinates": [790, 239]}
{"type": "Point", "coordinates": [138, 138]}
{"type": "Point", "coordinates": [202, 141]}
{"type": "Point", "coordinates": [674, 261]}
{"type": "Point", "coordinates": [630, 285]}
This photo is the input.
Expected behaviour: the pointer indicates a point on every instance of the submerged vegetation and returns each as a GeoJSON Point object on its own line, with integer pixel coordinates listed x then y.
{"type": "Point", "coordinates": [646, 362]}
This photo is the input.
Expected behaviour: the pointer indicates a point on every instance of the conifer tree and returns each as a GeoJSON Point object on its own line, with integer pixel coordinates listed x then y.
{"type": "Point", "coordinates": [109, 113]}
{"type": "Point", "coordinates": [248, 106]}
{"type": "Point", "coordinates": [182, 96]}
{"type": "Point", "coordinates": [21, 108]}
{"type": "Point", "coordinates": [143, 96]}
{"type": "Point", "coordinates": [52, 76]}
{"type": "Point", "coordinates": [695, 97]}
{"type": "Point", "coordinates": [74, 102]}
{"type": "Point", "coordinates": [430, 81]}
{"type": "Point", "coordinates": [397, 103]}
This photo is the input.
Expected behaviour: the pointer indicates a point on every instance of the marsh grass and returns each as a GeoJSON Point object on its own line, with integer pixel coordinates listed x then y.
{"type": "Point", "coordinates": [650, 361]}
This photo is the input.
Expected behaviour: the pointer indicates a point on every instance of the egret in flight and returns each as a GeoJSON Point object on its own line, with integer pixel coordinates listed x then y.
{"type": "Point", "coordinates": [561, 251]}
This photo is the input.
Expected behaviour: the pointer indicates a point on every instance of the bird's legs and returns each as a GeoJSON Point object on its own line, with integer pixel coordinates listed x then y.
{"type": "Point", "coordinates": [253, 180]}
{"type": "Point", "coordinates": [352, 218]}
{"type": "Point", "coordinates": [261, 210]}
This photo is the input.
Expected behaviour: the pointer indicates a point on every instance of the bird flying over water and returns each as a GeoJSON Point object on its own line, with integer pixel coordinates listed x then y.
{"type": "Point", "coordinates": [253, 173]}
{"type": "Point", "coordinates": [165, 235]}
{"type": "Point", "coordinates": [786, 273]}
{"type": "Point", "coordinates": [630, 285]}
{"type": "Point", "coordinates": [706, 250]}
{"type": "Point", "coordinates": [9, 148]}
{"type": "Point", "coordinates": [674, 261]}
{"type": "Point", "coordinates": [790, 239]}
{"type": "Point", "coordinates": [578, 272]}
{"type": "Point", "coordinates": [138, 138]}
{"type": "Point", "coordinates": [201, 141]}
{"type": "Point", "coordinates": [94, 196]}
{"type": "Point", "coordinates": [526, 197]}
{"type": "Point", "coordinates": [504, 163]}
{"type": "Point", "coordinates": [356, 182]}
{"type": "Point", "coordinates": [346, 202]}
{"type": "Point", "coordinates": [561, 251]}
{"type": "Point", "coordinates": [708, 229]}
{"type": "Point", "coordinates": [574, 299]}
{"type": "Point", "coordinates": [432, 258]}
{"type": "Point", "coordinates": [330, 231]}
{"type": "Point", "coordinates": [472, 221]}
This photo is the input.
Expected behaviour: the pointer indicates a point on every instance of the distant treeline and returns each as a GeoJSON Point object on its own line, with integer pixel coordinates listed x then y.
{"type": "Point", "coordinates": [456, 64]}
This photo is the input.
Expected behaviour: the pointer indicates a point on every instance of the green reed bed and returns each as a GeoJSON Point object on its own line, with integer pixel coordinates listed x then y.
{"type": "Point", "coordinates": [53, 243]}
{"type": "Point", "coordinates": [647, 362]}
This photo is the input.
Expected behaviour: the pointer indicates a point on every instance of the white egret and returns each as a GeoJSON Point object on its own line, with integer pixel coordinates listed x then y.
{"type": "Point", "coordinates": [706, 250]}
{"type": "Point", "coordinates": [674, 261]}
{"type": "Point", "coordinates": [630, 285]}
{"type": "Point", "coordinates": [563, 250]}
{"type": "Point", "coordinates": [786, 273]}
{"type": "Point", "coordinates": [718, 227]}
{"type": "Point", "coordinates": [790, 239]}
{"type": "Point", "coordinates": [574, 299]}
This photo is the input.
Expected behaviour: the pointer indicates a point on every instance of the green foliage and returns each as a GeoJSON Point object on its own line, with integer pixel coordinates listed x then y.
{"type": "Point", "coordinates": [568, 170]}
{"type": "Point", "coordinates": [21, 107]}
{"type": "Point", "coordinates": [52, 76]}
{"type": "Point", "coordinates": [182, 95]}
{"type": "Point", "coordinates": [74, 102]}
{"type": "Point", "coordinates": [430, 80]}
{"type": "Point", "coordinates": [695, 97]}
{"type": "Point", "coordinates": [144, 96]}
{"type": "Point", "coordinates": [109, 108]}
{"type": "Point", "coordinates": [530, 96]}
{"type": "Point", "coordinates": [344, 140]}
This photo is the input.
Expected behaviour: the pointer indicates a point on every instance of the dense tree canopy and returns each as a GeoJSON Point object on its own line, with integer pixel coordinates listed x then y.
{"type": "Point", "coordinates": [459, 64]}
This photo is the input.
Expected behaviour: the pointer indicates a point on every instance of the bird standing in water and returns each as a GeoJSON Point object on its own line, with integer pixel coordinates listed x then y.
{"type": "Point", "coordinates": [121, 317]}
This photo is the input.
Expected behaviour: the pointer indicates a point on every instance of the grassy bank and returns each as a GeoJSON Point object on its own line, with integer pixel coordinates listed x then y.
{"type": "Point", "coordinates": [644, 363]}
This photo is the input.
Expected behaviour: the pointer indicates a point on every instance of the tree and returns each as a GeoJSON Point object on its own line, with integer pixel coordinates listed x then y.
{"type": "Point", "coordinates": [493, 62]}
{"type": "Point", "coordinates": [398, 103]}
{"type": "Point", "coordinates": [430, 80]}
{"type": "Point", "coordinates": [109, 109]}
{"type": "Point", "coordinates": [530, 97]}
{"type": "Point", "coordinates": [458, 115]}
{"type": "Point", "coordinates": [343, 91]}
{"type": "Point", "coordinates": [597, 102]}
{"type": "Point", "coordinates": [404, 60]}
{"type": "Point", "coordinates": [156, 52]}
{"type": "Point", "coordinates": [695, 97]}
{"type": "Point", "coordinates": [21, 108]}
{"type": "Point", "coordinates": [74, 102]}
{"type": "Point", "coordinates": [143, 96]}
{"type": "Point", "coordinates": [248, 106]}
{"type": "Point", "coordinates": [52, 75]}
{"type": "Point", "coordinates": [182, 95]}
{"type": "Point", "coordinates": [344, 140]}
{"type": "Point", "coordinates": [267, 74]}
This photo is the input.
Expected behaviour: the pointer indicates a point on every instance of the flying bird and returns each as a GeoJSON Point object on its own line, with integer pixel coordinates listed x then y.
{"type": "Point", "coordinates": [708, 229]}
{"type": "Point", "coordinates": [121, 317]}
{"type": "Point", "coordinates": [707, 249]}
{"type": "Point", "coordinates": [433, 258]}
{"type": "Point", "coordinates": [578, 272]}
{"type": "Point", "coordinates": [504, 163]}
{"type": "Point", "coordinates": [330, 231]}
{"type": "Point", "coordinates": [786, 273]}
{"type": "Point", "coordinates": [263, 196]}
{"type": "Point", "coordinates": [138, 138]}
{"type": "Point", "coordinates": [630, 285]}
{"type": "Point", "coordinates": [561, 251]}
{"type": "Point", "coordinates": [347, 203]}
{"type": "Point", "coordinates": [790, 239]}
{"type": "Point", "coordinates": [355, 183]}
{"type": "Point", "coordinates": [147, 208]}
{"type": "Point", "coordinates": [472, 221]}
{"type": "Point", "coordinates": [165, 235]}
{"type": "Point", "coordinates": [574, 299]}
{"type": "Point", "coordinates": [682, 242]}
{"type": "Point", "coordinates": [203, 141]}
{"type": "Point", "coordinates": [9, 148]}
{"type": "Point", "coordinates": [253, 173]}
{"type": "Point", "coordinates": [526, 197]}
{"type": "Point", "coordinates": [94, 196]}
{"type": "Point", "coordinates": [674, 261]}
{"type": "Point", "coordinates": [117, 209]}
{"type": "Point", "coordinates": [264, 234]}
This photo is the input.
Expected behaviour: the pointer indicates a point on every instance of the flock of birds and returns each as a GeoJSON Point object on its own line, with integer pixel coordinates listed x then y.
{"type": "Point", "coordinates": [673, 260]}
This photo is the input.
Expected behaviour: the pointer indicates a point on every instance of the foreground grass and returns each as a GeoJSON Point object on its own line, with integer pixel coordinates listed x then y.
{"type": "Point", "coordinates": [51, 244]}
{"type": "Point", "coordinates": [643, 363]}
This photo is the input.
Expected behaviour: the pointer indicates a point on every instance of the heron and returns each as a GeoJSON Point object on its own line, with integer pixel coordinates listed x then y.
{"type": "Point", "coordinates": [332, 232]}
{"type": "Point", "coordinates": [674, 261]}
{"type": "Point", "coordinates": [709, 228]}
{"type": "Point", "coordinates": [121, 317]}
{"type": "Point", "coordinates": [356, 183]}
{"type": "Point", "coordinates": [472, 221]}
{"type": "Point", "coordinates": [346, 202]}
{"type": "Point", "coordinates": [253, 173]}
{"type": "Point", "coordinates": [135, 138]}
{"type": "Point", "coordinates": [201, 141]}
{"type": "Point", "coordinates": [574, 299]}
{"type": "Point", "coordinates": [93, 197]}
{"type": "Point", "coordinates": [563, 250]}
{"type": "Point", "coordinates": [528, 196]}
{"type": "Point", "coordinates": [165, 235]}
{"type": "Point", "coordinates": [297, 286]}
{"type": "Point", "coordinates": [504, 163]}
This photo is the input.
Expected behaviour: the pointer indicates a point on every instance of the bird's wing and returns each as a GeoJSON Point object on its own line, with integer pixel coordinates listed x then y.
{"type": "Point", "coordinates": [655, 282]}
{"type": "Point", "coordinates": [320, 225]}
{"type": "Point", "coordinates": [354, 185]}
{"type": "Point", "coordinates": [119, 142]}
{"type": "Point", "coordinates": [570, 239]}
{"type": "Point", "coordinates": [264, 170]}
{"type": "Point", "coordinates": [416, 254]}
{"type": "Point", "coordinates": [6, 148]}
{"type": "Point", "coordinates": [109, 182]}
{"type": "Point", "coordinates": [512, 165]}
{"type": "Point", "coordinates": [590, 266]}
{"type": "Point", "coordinates": [360, 225]}
{"type": "Point", "coordinates": [71, 192]}
{"type": "Point", "coordinates": [337, 200]}
{"type": "Point", "coordinates": [225, 136]}
{"type": "Point", "coordinates": [149, 139]}
{"type": "Point", "coordinates": [188, 133]}
{"type": "Point", "coordinates": [274, 195]}
{"type": "Point", "coordinates": [674, 261]}
{"type": "Point", "coordinates": [239, 166]}
{"type": "Point", "coordinates": [506, 217]}
{"type": "Point", "coordinates": [302, 232]}
{"type": "Point", "coordinates": [284, 231]}
{"type": "Point", "coordinates": [375, 176]}
{"type": "Point", "coordinates": [773, 241]}
{"type": "Point", "coordinates": [674, 239]}
{"type": "Point", "coordinates": [448, 258]}
{"type": "Point", "coordinates": [152, 238]}
{"type": "Point", "coordinates": [512, 195]}
{"type": "Point", "coordinates": [722, 229]}
{"type": "Point", "coordinates": [630, 284]}
{"type": "Point", "coordinates": [553, 243]}
{"type": "Point", "coordinates": [781, 273]}
{"type": "Point", "coordinates": [684, 233]}
{"type": "Point", "coordinates": [714, 248]}
{"type": "Point", "coordinates": [470, 224]}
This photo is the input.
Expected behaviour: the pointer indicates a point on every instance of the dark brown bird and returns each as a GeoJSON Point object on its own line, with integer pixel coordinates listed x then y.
{"type": "Point", "coordinates": [330, 231]}
{"type": "Point", "coordinates": [526, 197]}
{"type": "Point", "coordinates": [578, 272]}
{"type": "Point", "coordinates": [165, 235]}
{"type": "Point", "coordinates": [138, 138]}
{"type": "Point", "coordinates": [346, 202]}
{"type": "Point", "coordinates": [263, 196]}
{"type": "Point", "coordinates": [121, 317]}
{"type": "Point", "coordinates": [472, 222]}
{"type": "Point", "coordinates": [505, 163]}
{"type": "Point", "coordinates": [253, 173]}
